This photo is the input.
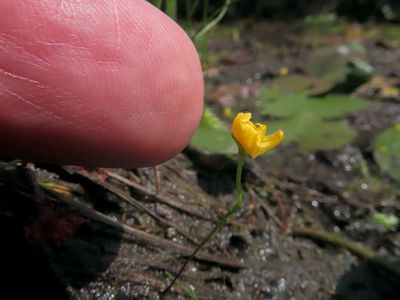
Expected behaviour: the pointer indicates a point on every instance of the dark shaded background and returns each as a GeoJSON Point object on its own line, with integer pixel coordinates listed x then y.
{"type": "Point", "coordinates": [360, 10]}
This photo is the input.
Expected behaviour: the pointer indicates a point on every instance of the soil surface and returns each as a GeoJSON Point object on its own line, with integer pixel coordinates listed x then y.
{"type": "Point", "coordinates": [74, 233]}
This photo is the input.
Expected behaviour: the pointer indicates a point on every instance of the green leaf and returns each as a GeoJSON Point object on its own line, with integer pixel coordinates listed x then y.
{"type": "Point", "coordinates": [312, 133]}
{"type": "Point", "coordinates": [277, 104]}
{"type": "Point", "coordinates": [210, 119]}
{"type": "Point", "coordinates": [360, 69]}
{"type": "Point", "coordinates": [213, 136]}
{"type": "Point", "coordinates": [331, 106]}
{"type": "Point", "coordinates": [291, 84]}
{"type": "Point", "coordinates": [387, 151]}
{"type": "Point", "coordinates": [338, 68]}
{"type": "Point", "coordinates": [389, 222]}
{"type": "Point", "coordinates": [308, 120]}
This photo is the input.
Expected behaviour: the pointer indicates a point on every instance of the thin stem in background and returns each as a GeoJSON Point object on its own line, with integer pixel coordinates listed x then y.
{"type": "Point", "coordinates": [171, 9]}
{"type": "Point", "coordinates": [214, 22]}
{"type": "Point", "coordinates": [157, 3]}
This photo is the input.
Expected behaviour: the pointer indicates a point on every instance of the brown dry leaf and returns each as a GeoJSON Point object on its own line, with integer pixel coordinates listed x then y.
{"type": "Point", "coordinates": [380, 87]}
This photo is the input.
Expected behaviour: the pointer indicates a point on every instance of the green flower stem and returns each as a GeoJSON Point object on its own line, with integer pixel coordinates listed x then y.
{"type": "Point", "coordinates": [222, 222]}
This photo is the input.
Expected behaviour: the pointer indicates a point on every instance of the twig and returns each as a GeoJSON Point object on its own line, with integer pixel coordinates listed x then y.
{"type": "Point", "coordinates": [171, 202]}
{"type": "Point", "coordinates": [262, 204]}
{"type": "Point", "coordinates": [149, 239]}
{"type": "Point", "coordinates": [204, 199]}
{"type": "Point", "coordinates": [8, 166]}
{"type": "Point", "coordinates": [272, 183]}
{"type": "Point", "coordinates": [120, 193]}
{"type": "Point", "coordinates": [334, 239]}
{"type": "Point", "coordinates": [128, 198]}
{"type": "Point", "coordinates": [358, 250]}
{"type": "Point", "coordinates": [157, 177]}
{"type": "Point", "coordinates": [282, 213]}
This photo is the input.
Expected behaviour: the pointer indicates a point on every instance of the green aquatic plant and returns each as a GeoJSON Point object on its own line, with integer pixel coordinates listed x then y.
{"type": "Point", "coordinates": [387, 151]}
{"type": "Point", "coordinates": [199, 33]}
{"type": "Point", "coordinates": [212, 136]}
{"type": "Point", "coordinates": [251, 140]}
{"type": "Point", "coordinates": [312, 122]}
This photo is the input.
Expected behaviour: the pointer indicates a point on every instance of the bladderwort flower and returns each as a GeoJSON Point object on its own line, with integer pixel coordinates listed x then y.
{"type": "Point", "coordinates": [252, 140]}
{"type": "Point", "coordinates": [252, 136]}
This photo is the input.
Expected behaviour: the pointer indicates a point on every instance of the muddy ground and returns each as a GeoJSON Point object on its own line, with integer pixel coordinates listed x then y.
{"type": "Point", "coordinates": [73, 233]}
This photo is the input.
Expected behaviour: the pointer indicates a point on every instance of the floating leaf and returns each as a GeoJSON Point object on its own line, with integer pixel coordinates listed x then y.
{"type": "Point", "coordinates": [306, 120]}
{"type": "Point", "coordinates": [291, 84]}
{"type": "Point", "coordinates": [213, 136]}
{"type": "Point", "coordinates": [313, 133]}
{"type": "Point", "coordinates": [334, 106]}
{"type": "Point", "coordinates": [331, 106]}
{"type": "Point", "coordinates": [210, 119]}
{"type": "Point", "coordinates": [360, 69]}
{"type": "Point", "coordinates": [279, 105]}
{"type": "Point", "coordinates": [340, 68]}
{"type": "Point", "coordinates": [387, 151]}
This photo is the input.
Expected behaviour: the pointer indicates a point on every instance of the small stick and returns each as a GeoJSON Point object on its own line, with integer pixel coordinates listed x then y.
{"type": "Point", "coordinates": [157, 177]}
{"type": "Point", "coordinates": [334, 239]}
{"type": "Point", "coordinates": [162, 198]}
{"type": "Point", "coordinates": [146, 238]}
{"type": "Point", "coordinates": [355, 248]}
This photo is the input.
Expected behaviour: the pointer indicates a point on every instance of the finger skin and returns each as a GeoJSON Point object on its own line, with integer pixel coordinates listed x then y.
{"type": "Point", "coordinates": [96, 83]}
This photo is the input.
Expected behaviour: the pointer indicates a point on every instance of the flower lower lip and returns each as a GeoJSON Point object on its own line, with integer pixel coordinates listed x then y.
{"type": "Point", "coordinates": [251, 136]}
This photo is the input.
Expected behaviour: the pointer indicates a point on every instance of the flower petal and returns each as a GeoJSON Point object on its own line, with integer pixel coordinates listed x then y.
{"type": "Point", "coordinates": [251, 137]}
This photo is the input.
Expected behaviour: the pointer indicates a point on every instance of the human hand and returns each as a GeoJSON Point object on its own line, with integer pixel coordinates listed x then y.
{"type": "Point", "coordinates": [97, 83]}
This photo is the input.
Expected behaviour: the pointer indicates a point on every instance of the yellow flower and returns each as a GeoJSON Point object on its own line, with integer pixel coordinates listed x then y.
{"type": "Point", "coordinates": [228, 112]}
{"type": "Point", "coordinates": [283, 71]}
{"type": "Point", "coordinates": [252, 136]}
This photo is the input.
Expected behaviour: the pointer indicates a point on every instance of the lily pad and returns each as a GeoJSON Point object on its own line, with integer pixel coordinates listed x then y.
{"type": "Point", "coordinates": [291, 84]}
{"type": "Point", "coordinates": [332, 106]}
{"type": "Point", "coordinates": [277, 104]}
{"type": "Point", "coordinates": [312, 133]}
{"type": "Point", "coordinates": [387, 151]}
{"type": "Point", "coordinates": [340, 68]}
{"type": "Point", "coordinates": [213, 136]}
{"type": "Point", "coordinates": [308, 121]}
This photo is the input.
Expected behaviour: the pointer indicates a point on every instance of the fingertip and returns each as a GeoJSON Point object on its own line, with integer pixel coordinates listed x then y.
{"type": "Point", "coordinates": [101, 84]}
